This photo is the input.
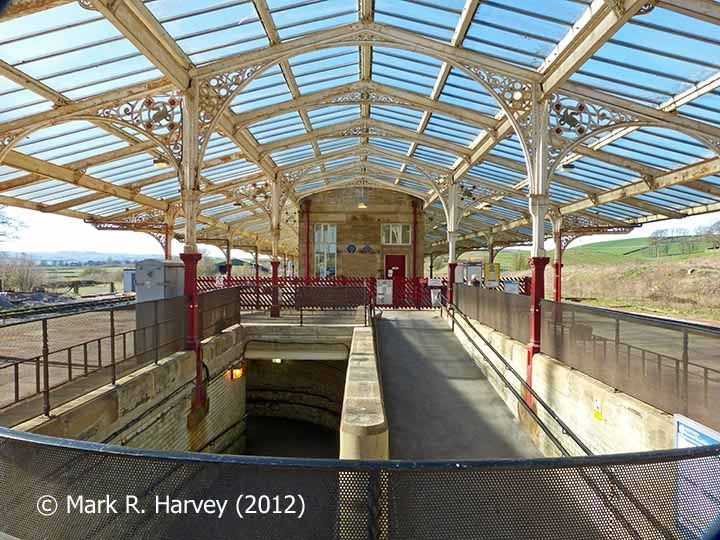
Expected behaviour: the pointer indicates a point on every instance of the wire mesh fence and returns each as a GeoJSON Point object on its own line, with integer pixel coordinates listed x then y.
{"type": "Point", "coordinates": [44, 363]}
{"type": "Point", "coordinates": [663, 495]}
{"type": "Point", "coordinates": [506, 313]}
{"type": "Point", "coordinates": [672, 365]}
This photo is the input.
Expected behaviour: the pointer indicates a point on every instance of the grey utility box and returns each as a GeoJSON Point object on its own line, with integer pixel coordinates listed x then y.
{"type": "Point", "coordinates": [159, 324]}
{"type": "Point", "coordinates": [129, 280]}
{"type": "Point", "coordinates": [158, 280]}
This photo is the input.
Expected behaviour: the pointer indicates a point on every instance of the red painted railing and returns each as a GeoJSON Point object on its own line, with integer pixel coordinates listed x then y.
{"type": "Point", "coordinates": [408, 293]}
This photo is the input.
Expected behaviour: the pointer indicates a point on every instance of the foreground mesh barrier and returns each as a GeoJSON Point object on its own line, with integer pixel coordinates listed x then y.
{"type": "Point", "coordinates": [663, 495]}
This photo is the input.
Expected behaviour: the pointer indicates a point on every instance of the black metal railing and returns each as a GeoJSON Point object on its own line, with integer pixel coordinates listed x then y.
{"type": "Point", "coordinates": [47, 362]}
{"type": "Point", "coordinates": [672, 365]}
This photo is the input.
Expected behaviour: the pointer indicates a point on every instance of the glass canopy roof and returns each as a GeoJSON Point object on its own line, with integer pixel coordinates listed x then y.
{"type": "Point", "coordinates": [339, 108]}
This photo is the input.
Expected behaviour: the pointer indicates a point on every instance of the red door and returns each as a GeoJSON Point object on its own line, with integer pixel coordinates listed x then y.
{"type": "Point", "coordinates": [395, 270]}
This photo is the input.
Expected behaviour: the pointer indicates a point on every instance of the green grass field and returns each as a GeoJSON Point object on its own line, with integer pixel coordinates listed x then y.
{"type": "Point", "coordinates": [102, 274]}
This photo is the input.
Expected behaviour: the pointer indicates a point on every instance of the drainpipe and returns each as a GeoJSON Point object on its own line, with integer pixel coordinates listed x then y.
{"type": "Point", "coordinates": [414, 238]}
{"type": "Point", "coordinates": [557, 264]}
{"type": "Point", "coordinates": [228, 265]}
{"type": "Point", "coordinates": [307, 241]}
{"type": "Point", "coordinates": [257, 278]}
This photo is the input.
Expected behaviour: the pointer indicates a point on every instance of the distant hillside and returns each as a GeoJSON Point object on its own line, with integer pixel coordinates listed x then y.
{"type": "Point", "coordinates": [83, 256]}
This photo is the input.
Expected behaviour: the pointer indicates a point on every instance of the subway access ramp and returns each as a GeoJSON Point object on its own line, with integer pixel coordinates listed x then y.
{"type": "Point", "coordinates": [439, 404]}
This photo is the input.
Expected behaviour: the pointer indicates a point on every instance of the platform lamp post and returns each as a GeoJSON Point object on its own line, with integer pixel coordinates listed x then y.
{"type": "Point", "coordinates": [191, 208]}
{"type": "Point", "coordinates": [538, 205]}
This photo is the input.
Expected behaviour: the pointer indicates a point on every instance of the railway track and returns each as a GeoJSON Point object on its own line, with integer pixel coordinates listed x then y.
{"type": "Point", "coordinates": [14, 316]}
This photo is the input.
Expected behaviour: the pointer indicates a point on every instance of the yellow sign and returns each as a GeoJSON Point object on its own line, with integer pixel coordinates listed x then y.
{"type": "Point", "coordinates": [492, 275]}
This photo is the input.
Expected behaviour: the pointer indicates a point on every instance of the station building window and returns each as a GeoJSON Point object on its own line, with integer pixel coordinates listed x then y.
{"type": "Point", "coordinates": [325, 250]}
{"type": "Point", "coordinates": [396, 233]}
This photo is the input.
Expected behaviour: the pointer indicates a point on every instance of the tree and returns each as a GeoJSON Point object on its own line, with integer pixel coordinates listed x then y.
{"type": "Point", "coordinates": [207, 265]}
{"type": "Point", "coordinates": [8, 226]}
{"type": "Point", "coordinates": [20, 273]}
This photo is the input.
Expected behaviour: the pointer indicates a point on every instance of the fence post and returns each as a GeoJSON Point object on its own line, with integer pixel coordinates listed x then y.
{"type": "Point", "coordinates": [617, 340]}
{"type": "Point", "coordinates": [156, 331]}
{"type": "Point", "coordinates": [685, 358]}
{"type": "Point", "coordinates": [112, 346]}
{"type": "Point", "coordinates": [46, 369]}
{"type": "Point", "coordinates": [16, 373]}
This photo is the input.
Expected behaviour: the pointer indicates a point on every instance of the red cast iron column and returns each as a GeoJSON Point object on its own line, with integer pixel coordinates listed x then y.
{"type": "Point", "coordinates": [558, 281]}
{"type": "Point", "coordinates": [275, 308]}
{"type": "Point", "coordinates": [451, 280]}
{"type": "Point", "coordinates": [537, 293]}
{"type": "Point", "coordinates": [192, 341]}
{"type": "Point", "coordinates": [415, 287]}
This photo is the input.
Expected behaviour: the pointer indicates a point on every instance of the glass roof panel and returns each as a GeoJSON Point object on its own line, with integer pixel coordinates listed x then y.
{"type": "Point", "coordinates": [407, 118]}
{"type": "Point", "coordinates": [328, 145]}
{"type": "Point", "coordinates": [705, 108]}
{"type": "Point", "coordinates": [267, 88]}
{"type": "Point", "coordinates": [521, 31]}
{"type": "Point", "coordinates": [654, 56]}
{"type": "Point", "coordinates": [333, 115]}
{"type": "Point", "coordinates": [293, 18]}
{"type": "Point", "coordinates": [16, 102]}
{"type": "Point", "coordinates": [394, 145]}
{"type": "Point", "coordinates": [451, 129]}
{"type": "Point", "coordinates": [435, 20]}
{"type": "Point", "coordinates": [68, 142]}
{"type": "Point", "coordinates": [207, 30]}
{"type": "Point", "coordinates": [278, 127]}
{"type": "Point", "coordinates": [405, 69]}
{"type": "Point", "coordinates": [325, 68]}
{"type": "Point", "coordinates": [65, 47]}
{"type": "Point", "coordinates": [463, 91]}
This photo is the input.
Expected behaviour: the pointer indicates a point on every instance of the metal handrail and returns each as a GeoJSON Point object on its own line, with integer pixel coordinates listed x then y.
{"type": "Point", "coordinates": [650, 320]}
{"type": "Point", "coordinates": [452, 309]}
{"type": "Point", "coordinates": [607, 472]}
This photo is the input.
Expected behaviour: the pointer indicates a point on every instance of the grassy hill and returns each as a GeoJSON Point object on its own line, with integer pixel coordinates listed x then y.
{"type": "Point", "coordinates": [681, 278]}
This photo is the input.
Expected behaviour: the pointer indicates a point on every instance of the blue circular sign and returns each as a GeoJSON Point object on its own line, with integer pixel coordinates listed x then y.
{"type": "Point", "coordinates": [351, 248]}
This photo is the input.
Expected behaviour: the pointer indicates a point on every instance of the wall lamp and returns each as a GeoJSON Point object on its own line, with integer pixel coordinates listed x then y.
{"type": "Point", "coordinates": [236, 372]}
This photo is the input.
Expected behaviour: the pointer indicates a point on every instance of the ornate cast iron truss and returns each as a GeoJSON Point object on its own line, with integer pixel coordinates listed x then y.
{"type": "Point", "coordinates": [580, 119]}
